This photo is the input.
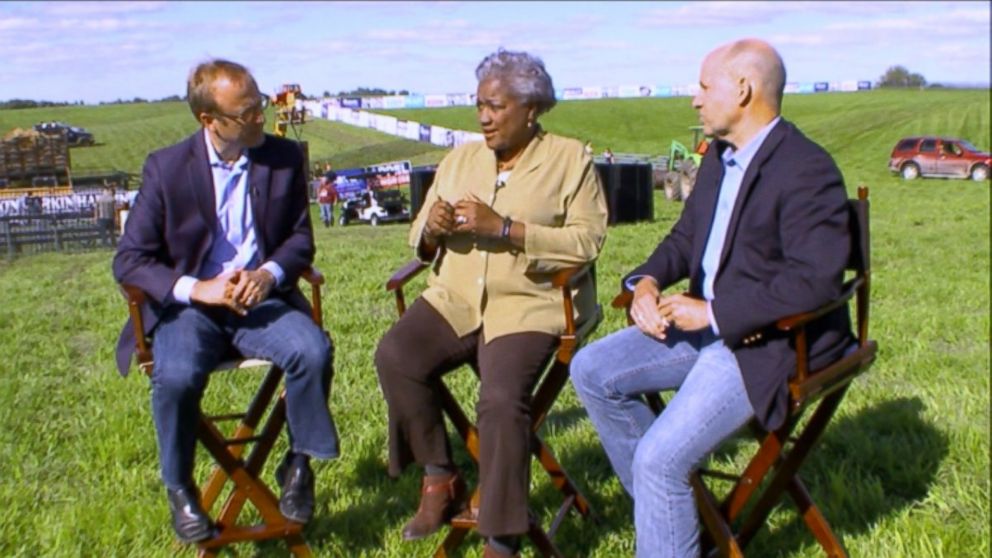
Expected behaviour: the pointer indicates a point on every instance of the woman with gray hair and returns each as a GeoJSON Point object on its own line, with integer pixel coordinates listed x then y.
{"type": "Point", "coordinates": [502, 217]}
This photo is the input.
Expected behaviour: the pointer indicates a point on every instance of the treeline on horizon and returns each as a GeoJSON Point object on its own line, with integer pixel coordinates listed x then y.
{"type": "Point", "coordinates": [915, 81]}
{"type": "Point", "coordinates": [31, 103]}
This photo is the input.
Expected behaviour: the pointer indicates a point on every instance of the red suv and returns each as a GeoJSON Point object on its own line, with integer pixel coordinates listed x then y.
{"type": "Point", "coordinates": [936, 156]}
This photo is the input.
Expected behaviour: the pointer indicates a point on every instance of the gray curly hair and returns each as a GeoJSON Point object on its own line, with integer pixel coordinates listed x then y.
{"type": "Point", "coordinates": [523, 74]}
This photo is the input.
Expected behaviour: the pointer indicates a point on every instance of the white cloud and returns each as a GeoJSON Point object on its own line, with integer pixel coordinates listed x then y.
{"type": "Point", "coordinates": [60, 9]}
{"type": "Point", "coordinates": [16, 23]}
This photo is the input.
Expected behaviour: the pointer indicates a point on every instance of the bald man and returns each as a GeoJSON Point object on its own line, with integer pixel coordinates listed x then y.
{"type": "Point", "coordinates": [764, 235]}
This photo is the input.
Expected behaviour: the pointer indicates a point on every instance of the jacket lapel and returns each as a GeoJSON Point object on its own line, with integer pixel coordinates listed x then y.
{"type": "Point", "coordinates": [201, 181]}
{"type": "Point", "coordinates": [534, 154]}
{"type": "Point", "coordinates": [747, 184]}
{"type": "Point", "coordinates": [704, 196]}
{"type": "Point", "coordinates": [259, 175]}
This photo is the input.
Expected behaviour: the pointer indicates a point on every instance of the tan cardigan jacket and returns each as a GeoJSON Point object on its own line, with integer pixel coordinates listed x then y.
{"type": "Point", "coordinates": [555, 191]}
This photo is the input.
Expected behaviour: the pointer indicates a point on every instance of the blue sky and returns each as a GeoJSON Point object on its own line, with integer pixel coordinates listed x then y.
{"type": "Point", "coordinates": [101, 51]}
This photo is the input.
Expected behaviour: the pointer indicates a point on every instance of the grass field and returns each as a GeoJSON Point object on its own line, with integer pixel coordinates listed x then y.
{"type": "Point", "coordinates": [902, 471]}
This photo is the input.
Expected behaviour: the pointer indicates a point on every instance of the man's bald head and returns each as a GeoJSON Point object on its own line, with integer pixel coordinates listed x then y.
{"type": "Point", "coordinates": [758, 63]}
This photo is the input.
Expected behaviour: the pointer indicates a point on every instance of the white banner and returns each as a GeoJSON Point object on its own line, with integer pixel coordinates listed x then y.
{"type": "Point", "coordinates": [434, 101]}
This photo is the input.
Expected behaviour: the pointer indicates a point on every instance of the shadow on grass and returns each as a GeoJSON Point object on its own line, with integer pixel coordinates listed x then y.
{"type": "Point", "coordinates": [867, 467]}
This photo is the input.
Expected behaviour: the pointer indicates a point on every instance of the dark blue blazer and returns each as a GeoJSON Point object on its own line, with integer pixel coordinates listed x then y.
{"type": "Point", "coordinates": [171, 226]}
{"type": "Point", "coordinates": [786, 248]}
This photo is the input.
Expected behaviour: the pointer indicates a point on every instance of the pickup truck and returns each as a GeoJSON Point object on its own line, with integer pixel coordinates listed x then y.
{"type": "Point", "coordinates": [74, 135]}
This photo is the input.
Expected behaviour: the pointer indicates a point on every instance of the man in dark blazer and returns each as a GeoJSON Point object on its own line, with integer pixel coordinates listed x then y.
{"type": "Point", "coordinates": [218, 236]}
{"type": "Point", "coordinates": [764, 235]}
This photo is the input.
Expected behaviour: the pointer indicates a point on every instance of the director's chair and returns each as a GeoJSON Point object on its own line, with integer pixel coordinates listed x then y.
{"type": "Point", "coordinates": [545, 393]}
{"type": "Point", "coordinates": [774, 469]}
{"type": "Point", "coordinates": [228, 450]}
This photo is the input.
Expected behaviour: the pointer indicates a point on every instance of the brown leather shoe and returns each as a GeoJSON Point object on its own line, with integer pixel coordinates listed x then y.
{"type": "Point", "coordinates": [488, 552]}
{"type": "Point", "coordinates": [441, 497]}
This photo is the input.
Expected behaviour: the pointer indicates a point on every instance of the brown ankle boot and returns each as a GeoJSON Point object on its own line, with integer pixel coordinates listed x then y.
{"type": "Point", "coordinates": [440, 498]}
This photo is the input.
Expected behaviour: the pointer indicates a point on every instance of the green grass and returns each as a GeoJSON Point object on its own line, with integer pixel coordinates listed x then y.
{"type": "Point", "coordinates": [126, 133]}
{"type": "Point", "coordinates": [902, 471]}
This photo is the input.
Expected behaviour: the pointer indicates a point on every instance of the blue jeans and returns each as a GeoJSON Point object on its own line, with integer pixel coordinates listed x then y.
{"type": "Point", "coordinates": [190, 341]}
{"type": "Point", "coordinates": [654, 456]}
{"type": "Point", "coordinates": [327, 213]}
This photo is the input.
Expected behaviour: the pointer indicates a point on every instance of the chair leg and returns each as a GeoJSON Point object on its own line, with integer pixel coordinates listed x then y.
{"type": "Point", "coordinates": [248, 486]}
{"type": "Point", "coordinates": [559, 478]}
{"type": "Point", "coordinates": [544, 396]}
{"type": "Point", "coordinates": [714, 520]}
{"type": "Point", "coordinates": [541, 540]}
{"type": "Point", "coordinates": [256, 459]}
{"type": "Point", "coordinates": [246, 427]}
{"type": "Point", "coordinates": [785, 473]}
{"type": "Point", "coordinates": [298, 546]}
{"type": "Point", "coordinates": [815, 520]}
{"type": "Point", "coordinates": [451, 541]}
{"type": "Point", "coordinates": [466, 429]}
{"type": "Point", "coordinates": [762, 462]}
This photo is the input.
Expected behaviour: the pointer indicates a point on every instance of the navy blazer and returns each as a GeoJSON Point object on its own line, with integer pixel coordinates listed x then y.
{"type": "Point", "coordinates": [171, 226]}
{"type": "Point", "coordinates": [786, 248]}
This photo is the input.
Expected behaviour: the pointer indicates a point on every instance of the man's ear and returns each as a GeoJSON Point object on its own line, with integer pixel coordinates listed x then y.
{"type": "Point", "coordinates": [745, 92]}
{"type": "Point", "coordinates": [205, 119]}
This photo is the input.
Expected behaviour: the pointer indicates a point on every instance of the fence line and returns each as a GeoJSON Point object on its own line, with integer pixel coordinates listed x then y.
{"type": "Point", "coordinates": [61, 232]}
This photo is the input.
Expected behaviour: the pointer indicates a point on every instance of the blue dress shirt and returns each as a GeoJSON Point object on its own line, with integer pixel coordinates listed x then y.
{"type": "Point", "coordinates": [234, 245]}
{"type": "Point", "coordinates": [735, 164]}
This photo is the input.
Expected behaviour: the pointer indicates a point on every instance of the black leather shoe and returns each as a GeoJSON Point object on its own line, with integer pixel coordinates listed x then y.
{"type": "Point", "coordinates": [190, 522]}
{"type": "Point", "coordinates": [295, 477]}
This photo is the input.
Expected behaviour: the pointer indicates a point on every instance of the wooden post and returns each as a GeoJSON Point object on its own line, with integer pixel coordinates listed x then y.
{"type": "Point", "coordinates": [58, 235]}
{"type": "Point", "coordinates": [9, 237]}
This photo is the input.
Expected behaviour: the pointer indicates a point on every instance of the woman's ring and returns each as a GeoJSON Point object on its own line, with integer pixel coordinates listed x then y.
{"type": "Point", "coordinates": [461, 220]}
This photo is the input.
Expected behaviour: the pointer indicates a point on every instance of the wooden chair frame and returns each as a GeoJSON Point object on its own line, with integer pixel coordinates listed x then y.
{"type": "Point", "coordinates": [545, 393]}
{"type": "Point", "coordinates": [781, 453]}
{"type": "Point", "coordinates": [227, 451]}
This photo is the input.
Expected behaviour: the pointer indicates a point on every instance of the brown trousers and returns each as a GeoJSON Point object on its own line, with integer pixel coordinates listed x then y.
{"type": "Point", "coordinates": [412, 357]}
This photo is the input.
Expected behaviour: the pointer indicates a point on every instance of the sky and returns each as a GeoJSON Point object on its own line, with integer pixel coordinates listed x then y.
{"type": "Point", "coordinates": [102, 51]}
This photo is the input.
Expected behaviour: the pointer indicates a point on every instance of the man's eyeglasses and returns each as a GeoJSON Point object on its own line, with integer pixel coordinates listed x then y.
{"type": "Point", "coordinates": [250, 114]}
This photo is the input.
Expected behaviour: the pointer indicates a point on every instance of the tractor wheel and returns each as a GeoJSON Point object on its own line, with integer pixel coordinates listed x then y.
{"type": "Point", "coordinates": [687, 173]}
{"type": "Point", "coordinates": [980, 173]}
{"type": "Point", "coordinates": [673, 186]}
{"type": "Point", "coordinates": [910, 171]}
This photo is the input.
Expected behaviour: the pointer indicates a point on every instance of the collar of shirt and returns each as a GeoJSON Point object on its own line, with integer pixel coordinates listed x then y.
{"type": "Point", "coordinates": [742, 157]}
{"type": "Point", "coordinates": [218, 163]}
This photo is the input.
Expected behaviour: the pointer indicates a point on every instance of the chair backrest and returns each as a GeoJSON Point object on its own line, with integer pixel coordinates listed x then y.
{"type": "Point", "coordinates": [860, 261]}
{"type": "Point", "coordinates": [807, 384]}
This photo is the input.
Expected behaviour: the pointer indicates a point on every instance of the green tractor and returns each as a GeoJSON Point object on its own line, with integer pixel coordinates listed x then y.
{"type": "Point", "coordinates": [680, 175]}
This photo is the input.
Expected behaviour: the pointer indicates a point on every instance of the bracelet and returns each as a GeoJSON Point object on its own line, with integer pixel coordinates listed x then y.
{"type": "Point", "coordinates": [505, 232]}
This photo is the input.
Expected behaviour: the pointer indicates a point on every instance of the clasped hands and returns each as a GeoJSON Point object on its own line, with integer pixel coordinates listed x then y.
{"type": "Point", "coordinates": [653, 313]}
{"type": "Point", "coordinates": [238, 290]}
{"type": "Point", "coordinates": [468, 215]}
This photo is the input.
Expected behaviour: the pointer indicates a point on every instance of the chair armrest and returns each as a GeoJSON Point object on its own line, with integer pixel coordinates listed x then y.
{"type": "Point", "coordinates": [566, 280]}
{"type": "Point", "coordinates": [405, 274]}
{"type": "Point", "coordinates": [316, 279]}
{"type": "Point", "coordinates": [135, 298]}
{"type": "Point", "coordinates": [133, 294]}
{"type": "Point", "coordinates": [570, 276]}
{"type": "Point", "coordinates": [623, 299]}
{"type": "Point", "coordinates": [790, 323]}
{"type": "Point", "coordinates": [313, 276]}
